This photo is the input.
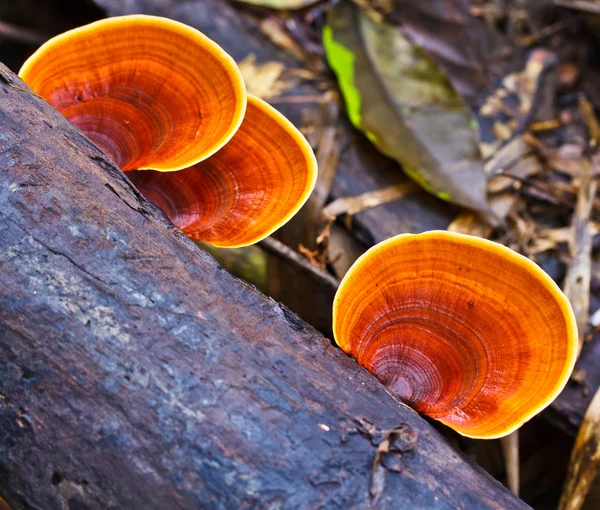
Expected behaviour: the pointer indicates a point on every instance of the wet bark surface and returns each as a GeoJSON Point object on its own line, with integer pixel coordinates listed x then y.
{"type": "Point", "coordinates": [136, 373]}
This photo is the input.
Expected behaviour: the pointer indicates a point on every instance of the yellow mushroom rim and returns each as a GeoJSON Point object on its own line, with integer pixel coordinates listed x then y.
{"type": "Point", "coordinates": [463, 329]}
{"type": "Point", "coordinates": [150, 91]}
{"type": "Point", "coordinates": [244, 192]}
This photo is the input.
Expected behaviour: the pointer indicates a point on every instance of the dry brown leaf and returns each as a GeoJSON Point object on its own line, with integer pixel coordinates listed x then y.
{"type": "Point", "coordinates": [264, 80]}
{"type": "Point", "coordinates": [498, 113]}
{"type": "Point", "coordinates": [508, 156]}
{"type": "Point", "coordinates": [378, 480]}
{"type": "Point", "coordinates": [274, 28]}
{"type": "Point", "coordinates": [394, 443]}
{"type": "Point", "coordinates": [503, 203]}
{"type": "Point", "coordinates": [568, 159]}
{"type": "Point", "coordinates": [520, 171]}
{"type": "Point", "coordinates": [377, 9]}
{"type": "Point", "coordinates": [549, 239]}
{"type": "Point", "coordinates": [471, 224]}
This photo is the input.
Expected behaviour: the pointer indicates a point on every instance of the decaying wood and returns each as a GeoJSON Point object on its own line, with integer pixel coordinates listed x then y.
{"type": "Point", "coordinates": [136, 373]}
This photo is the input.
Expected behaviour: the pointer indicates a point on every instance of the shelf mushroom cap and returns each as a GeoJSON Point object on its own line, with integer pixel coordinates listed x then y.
{"type": "Point", "coordinates": [169, 106]}
{"type": "Point", "coordinates": [151, 92]}
{"type": "Point", "coordinates": [464, 330]}
{"type": "Point", "coordinates": [244, 192]}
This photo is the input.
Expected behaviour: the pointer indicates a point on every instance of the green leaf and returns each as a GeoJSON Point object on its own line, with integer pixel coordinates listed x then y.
{"type": "Point", "coordinates": [405, 105]}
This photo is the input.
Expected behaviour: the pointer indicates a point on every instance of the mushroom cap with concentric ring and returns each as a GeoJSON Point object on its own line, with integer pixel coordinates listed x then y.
{"type": "Point", "coordinates": [463, 329]}
{"type": "Point", "coordinates": [149, 91]}
{"type": "Point", "coordinates": [244, 192]}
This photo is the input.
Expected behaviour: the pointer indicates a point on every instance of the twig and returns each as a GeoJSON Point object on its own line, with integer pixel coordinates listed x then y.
{"type": "Point", "coordinates": [583, 465]}
{"type": "Point", "coordinates": [301, 99]}
{"type": "Point", "coordinates": [510, 450]}
{"type": "Point", "coordinates": [587, 112]}
{"type": "Point", "coordinates": [355, 204]}
{"type": "Point", "coordinates": [284, 252]}
{"type": "Point", "coordinates": [580, 5]}
{"type": "Point", "coordinates": [23, 35]}
{"type": "Point", "coordinates": [579, 273]}
{"type": "Point", "coordinates": [577, 280]}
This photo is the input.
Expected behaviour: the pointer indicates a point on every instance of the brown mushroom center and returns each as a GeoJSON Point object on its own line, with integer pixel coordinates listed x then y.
{"type": "Point", "coordinates": [429, 357]}
{"type": "Point", "coordinates": [129, 127]}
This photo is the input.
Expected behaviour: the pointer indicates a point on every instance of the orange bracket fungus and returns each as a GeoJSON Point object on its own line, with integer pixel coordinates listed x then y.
{"type": "Point", "coordinates": [462, 329]}
{"type": "Point", "coordinates": [169, 106]}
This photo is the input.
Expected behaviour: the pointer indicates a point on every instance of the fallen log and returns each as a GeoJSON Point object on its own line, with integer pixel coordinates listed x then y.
{"type": "Point", "coordinates": [136, 373]}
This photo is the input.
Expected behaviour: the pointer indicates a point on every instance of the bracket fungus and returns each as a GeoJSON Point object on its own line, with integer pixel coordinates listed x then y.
{"type": "Point", "coordinates": [170, 107]}
{"type": "Point", "coordinates": [464, 330]}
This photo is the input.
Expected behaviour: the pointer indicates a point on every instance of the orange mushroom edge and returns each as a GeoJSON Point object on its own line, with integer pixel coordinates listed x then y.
{"type": "Point", "coordinates": [149, 91]}
{"type": "Point", "coordinates": [462, 329]}
{"type": "Point", "coordinates": [170, 107]}
{"type": "Point", "coordinates": [247, 190]}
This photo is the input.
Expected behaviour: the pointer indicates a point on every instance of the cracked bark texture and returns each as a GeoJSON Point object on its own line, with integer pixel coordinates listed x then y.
{"type": "Point", "coordinates": [135, 373]}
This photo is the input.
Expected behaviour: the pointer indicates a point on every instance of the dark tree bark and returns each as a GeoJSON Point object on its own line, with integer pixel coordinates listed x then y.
{"type": "Point", "coordinates": [40, 19]}
{"type": "Point", "coordinates": [135, 373]}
